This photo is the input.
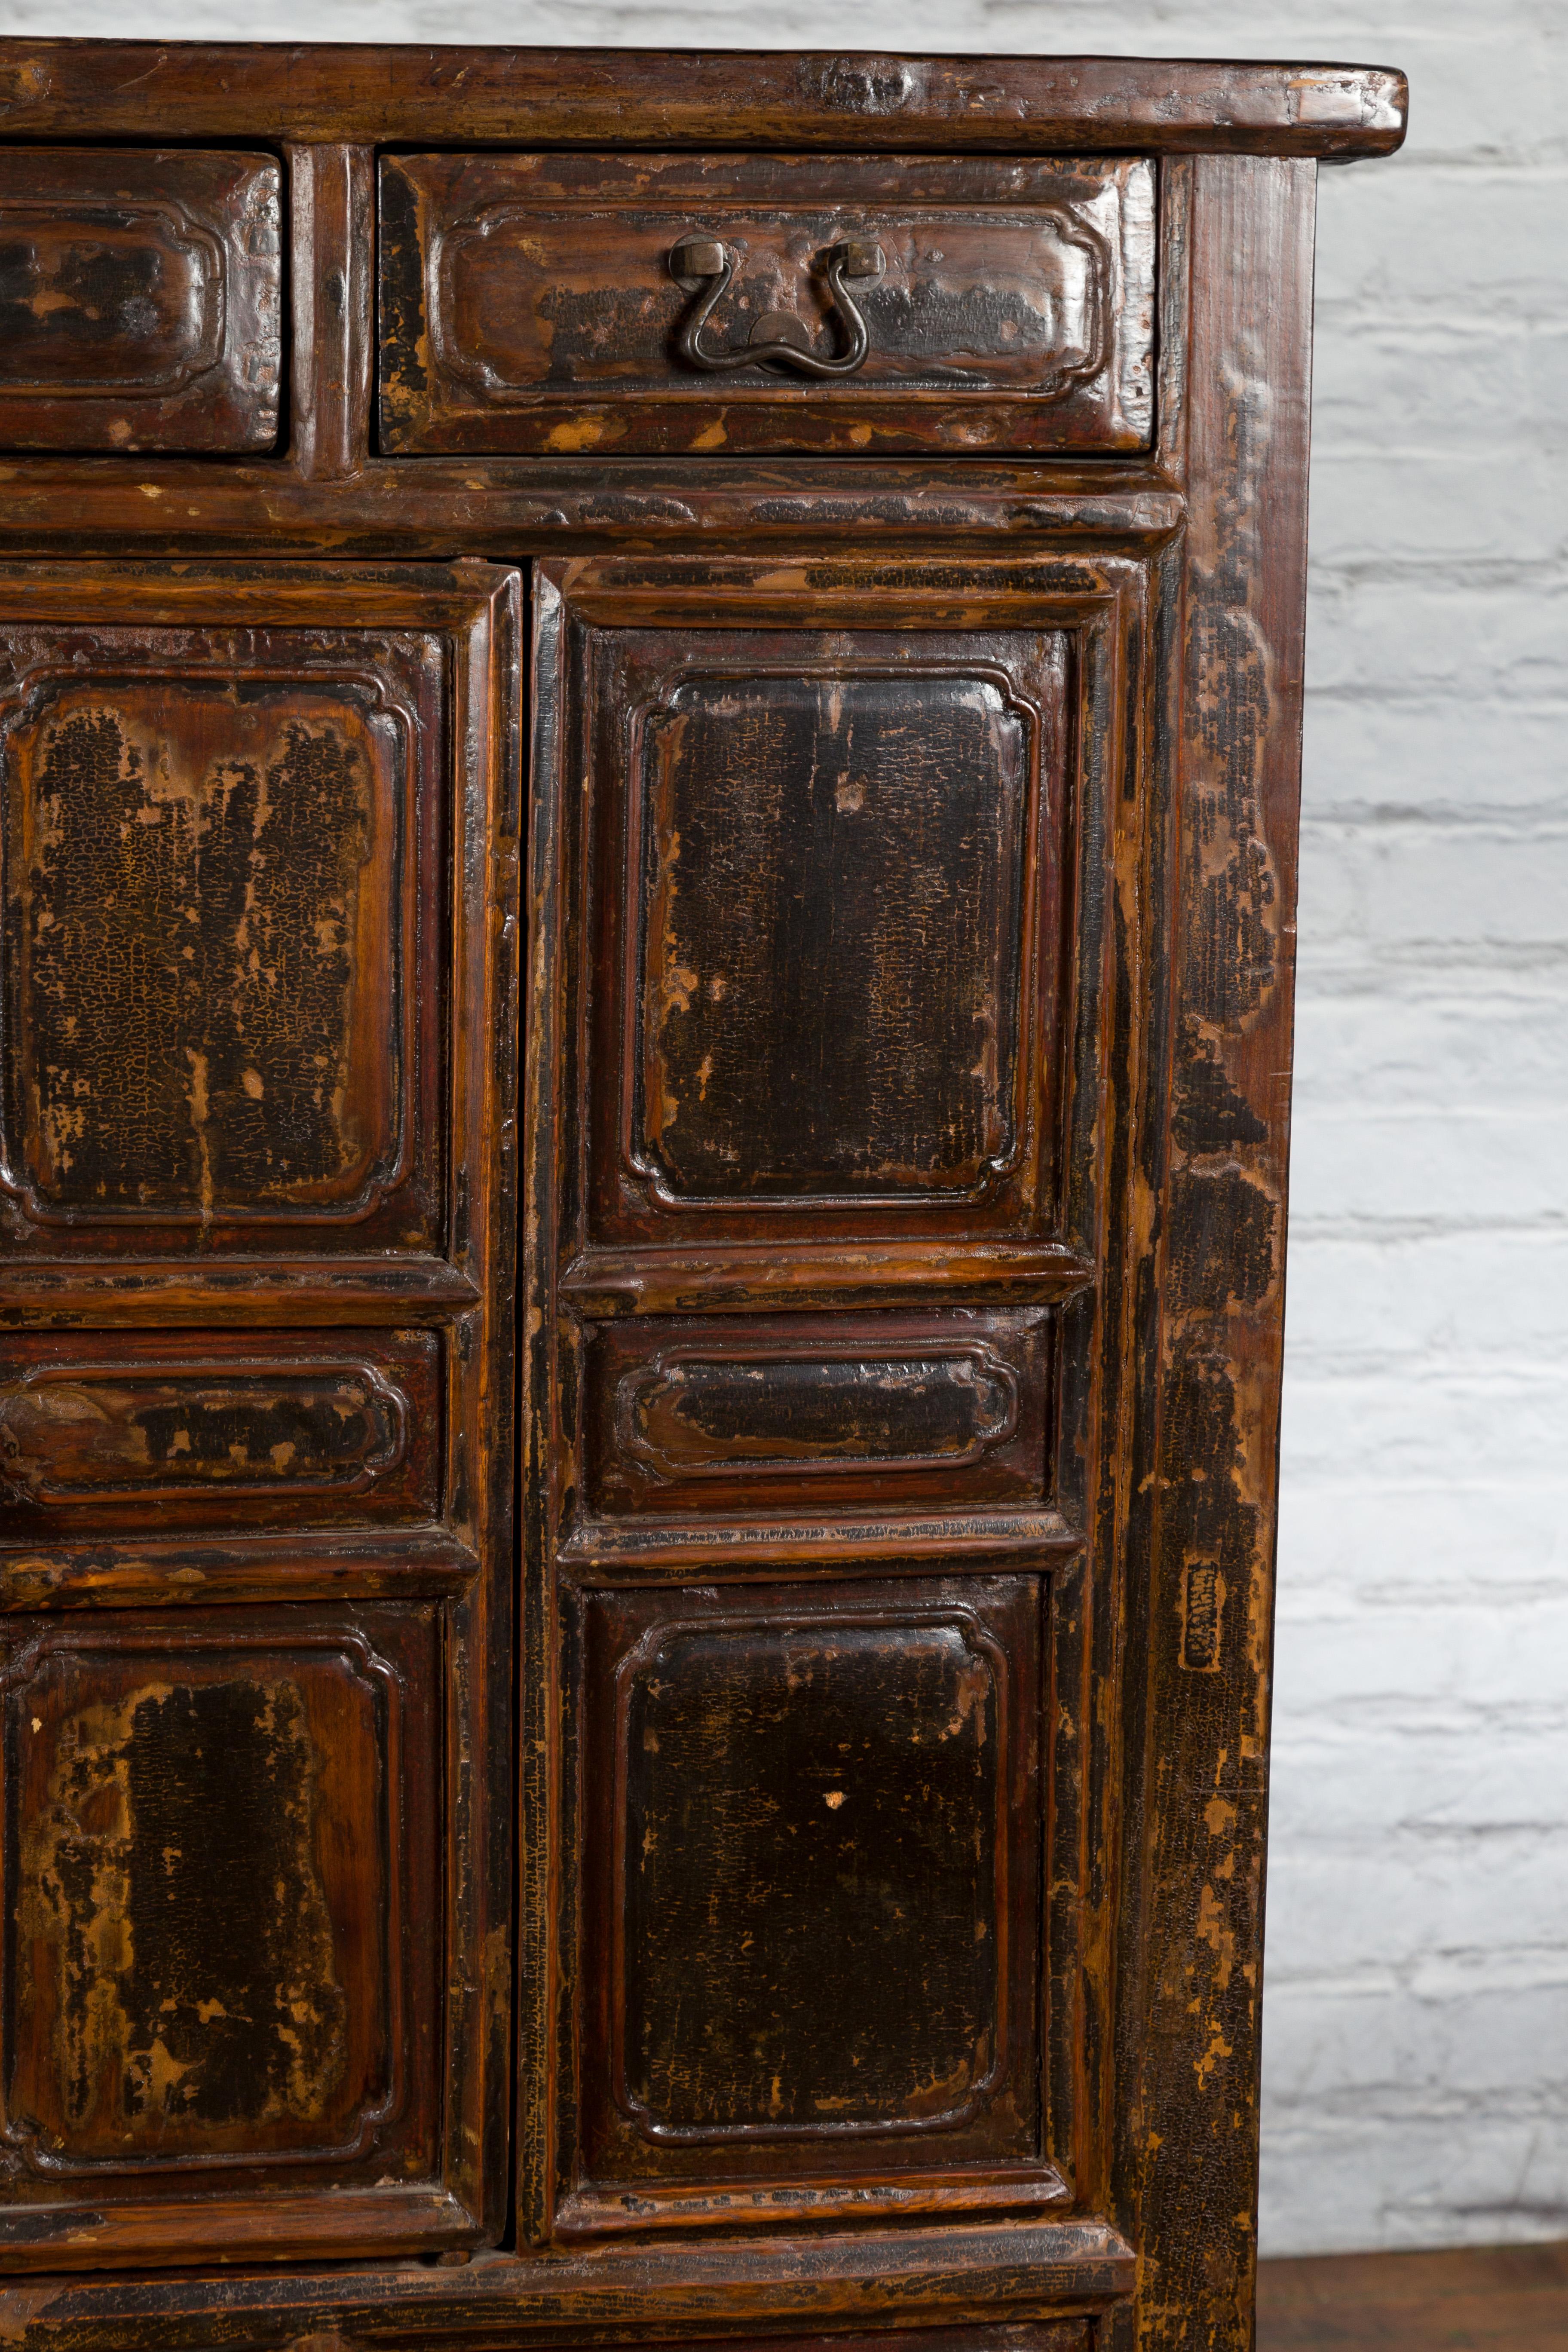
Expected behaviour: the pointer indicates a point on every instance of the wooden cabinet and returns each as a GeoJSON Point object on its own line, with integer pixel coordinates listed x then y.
{"type": "Point", "coordinates": [644, 980]}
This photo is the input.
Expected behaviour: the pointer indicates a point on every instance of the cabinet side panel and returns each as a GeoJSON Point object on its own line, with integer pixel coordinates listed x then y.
{"type": "Point", "coordinates": [1199, 1667]}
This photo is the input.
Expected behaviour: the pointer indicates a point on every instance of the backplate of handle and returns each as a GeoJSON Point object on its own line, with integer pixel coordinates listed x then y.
{"type": "Point", "coordinates": [699, 257]}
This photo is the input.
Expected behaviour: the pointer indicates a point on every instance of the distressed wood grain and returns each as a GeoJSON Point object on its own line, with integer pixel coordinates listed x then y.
{"type": "Point", "coordinates": [1216, 1155]}
{"type": "Point", "coordinates": [858, 101]}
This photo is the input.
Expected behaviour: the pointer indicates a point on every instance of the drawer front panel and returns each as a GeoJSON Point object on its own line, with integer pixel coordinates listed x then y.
{"type": "Point", "coordinates": [628, 305]}
{"type": "Point", "coordinates": [139, 300]}
{"type": "Point", "coordinates": [218, 1429]}
{"type": "Point", "coordinates": [719, 1414]}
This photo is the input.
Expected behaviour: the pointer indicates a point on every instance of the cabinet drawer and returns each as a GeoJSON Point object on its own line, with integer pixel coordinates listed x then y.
{"type": "Point", "coordinates": [697, 1418]}
{"type": "Point", "coordinates": [766, 304]}
{"type": "Point", "coordinates": [106, 1433]}
{"type": "Point", "coordinates": [138, 299]}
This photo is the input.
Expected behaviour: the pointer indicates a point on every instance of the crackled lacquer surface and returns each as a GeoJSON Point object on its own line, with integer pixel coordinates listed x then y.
{"type": "Point", "coordinates": [199, 879]}
{"type": "Point", "coordinates": [193, 1959]}
{"type": "Point", "coordinates": [833, 931]}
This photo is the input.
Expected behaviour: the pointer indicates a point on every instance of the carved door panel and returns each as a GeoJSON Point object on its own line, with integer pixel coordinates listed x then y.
{"type": "Point", "coordinates": [257, 845]}
{"type": "Point", "coordinates": [821, 1088]}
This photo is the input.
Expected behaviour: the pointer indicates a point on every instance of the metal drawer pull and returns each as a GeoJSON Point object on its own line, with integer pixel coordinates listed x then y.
{"type": "Point", "coordinates": [777, 337]}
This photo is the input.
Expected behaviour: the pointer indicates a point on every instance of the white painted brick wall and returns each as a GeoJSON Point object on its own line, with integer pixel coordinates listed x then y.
{"type": "Point", "coordinates": [1417, 2045]}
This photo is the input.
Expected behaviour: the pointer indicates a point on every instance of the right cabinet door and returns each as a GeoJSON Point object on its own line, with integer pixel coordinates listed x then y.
{"type": "Point", "coordinates": [832, 1038]}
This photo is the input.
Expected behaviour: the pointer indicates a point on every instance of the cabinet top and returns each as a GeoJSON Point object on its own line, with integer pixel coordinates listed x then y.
{"type": "Point", "coordinates": [854, 101]}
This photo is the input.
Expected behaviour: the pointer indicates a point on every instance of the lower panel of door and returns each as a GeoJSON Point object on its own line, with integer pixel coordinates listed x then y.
{"type": "Point", "coordinates": [811, 1982]}
{"type": "Point", "coordinates": [223, 1867]}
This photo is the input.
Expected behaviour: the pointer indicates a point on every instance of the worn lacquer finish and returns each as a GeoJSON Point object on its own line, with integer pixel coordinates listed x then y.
{"type": "Point", "coordinates": [532, 303]}
{"type": "Point", "coordinates": [140, 300]}
{"type": "Point", "coordinates": [235, 1851]}
{"type": "Point", "coordinates": [895, 1142]}
{"type": "Point", "coordinates": [213, 884]}
{"type": "Point", "coordinates": [210, 1862]}
{"type": "Point", "coordinates": [817, 1028]}
{"type": "Point", "coordinates": [1219, 1156]}
{"type": "Point", "coordinates": [219, 1428]}
{"type": "Point", "coordinates": [830, 875]}
{"type": "Point", "coordinates": [204, 887]}
{"type": "Point", "coordinates": [817, 1850]}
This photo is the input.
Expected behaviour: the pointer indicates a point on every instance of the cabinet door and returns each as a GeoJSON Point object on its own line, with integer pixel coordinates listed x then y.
{"type": "Point", "coordinates": [255, 1276]}
{"type": "Point", "coordinates": [824, 857]}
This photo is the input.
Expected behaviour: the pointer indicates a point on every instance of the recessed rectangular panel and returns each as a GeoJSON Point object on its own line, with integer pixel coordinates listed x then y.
{"type": "Point", "coordinates": [218, 1429]}
{"type": "Point", "coordinates": [217, 1834]}
{"type": "Point", "coordinates": [621, 305]}
{"type": "Point", "coordinates": [828, 908]}
{"type": "Point", "coordinates": [843, 1937]}
{"type": "Point", "coordinates": [222, 1004]}
{"type": "Point", "coordinates": [138, 299]}
{"type": "Point", "coordinates": [816, 1866]}
{"type": "Point", "coordinates": [830, 864]}
{"type": "Point", "coordinates": [727, 1415]}
{"type": "Point", "coordinates": [205, 881]}
{"type": "Point", "coordinates": [702, 1414]}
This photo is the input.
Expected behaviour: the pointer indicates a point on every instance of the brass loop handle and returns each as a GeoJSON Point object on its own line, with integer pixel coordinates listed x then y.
{"type": "Point", "coordinates": [774, 338]}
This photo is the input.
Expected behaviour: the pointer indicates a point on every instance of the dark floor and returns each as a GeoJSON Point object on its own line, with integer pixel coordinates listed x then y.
{"type": "Point", "coordinates": [1483, 2299]}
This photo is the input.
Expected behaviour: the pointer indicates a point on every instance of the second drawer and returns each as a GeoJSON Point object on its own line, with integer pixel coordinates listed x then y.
{"type": "Point", "coordinates": [636, 304]}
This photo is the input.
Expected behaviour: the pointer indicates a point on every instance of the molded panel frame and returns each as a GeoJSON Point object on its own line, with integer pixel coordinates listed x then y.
{"type": "Point", "coordinates": [386, 1870]}
{"type": "Point", "coordinates": [222, 210]}
{"type": "Point", "coordinates": [996, 1365]}
{"type": "Point", "coordinates": [587, 1299]}
{"type": "Point", "coordinates": [421, 642]}
{"type": "Point", "coordinates": [634, 1196]}
{"type": "Point", "coordinates": [49, 1388]}
{"type": "Point", "coordinates": [1012, 2142]}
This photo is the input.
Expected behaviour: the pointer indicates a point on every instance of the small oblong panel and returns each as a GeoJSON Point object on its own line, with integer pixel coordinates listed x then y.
{"type": "Point", "coordinates": [530, 303]}
{"type": "Point", "coordinates": [138, 299]}
{"type": "Point", "coordinates": [130, 1433]}
{"type": "Point", "coordinates": [711, 1419]}
{"type": "Point", "coordinates": [111, 1433]}
{"type": "Point", "coordinates": [691, 1416]}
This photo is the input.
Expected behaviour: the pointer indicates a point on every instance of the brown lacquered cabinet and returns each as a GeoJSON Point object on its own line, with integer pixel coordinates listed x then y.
{"type": "Point", "coordinates": [649, 719]}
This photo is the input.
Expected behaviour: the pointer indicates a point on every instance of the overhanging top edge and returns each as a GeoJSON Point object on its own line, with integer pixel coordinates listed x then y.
{"type": "Point", "coordinates": [368, 93]}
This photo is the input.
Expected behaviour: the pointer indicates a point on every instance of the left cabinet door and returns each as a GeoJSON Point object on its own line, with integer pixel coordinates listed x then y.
{"type": "Point", "coordinates": [257, 1038]}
